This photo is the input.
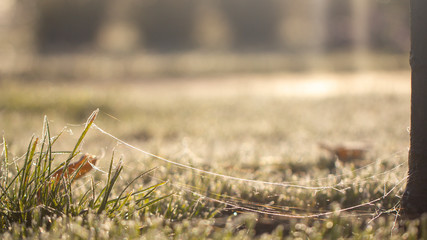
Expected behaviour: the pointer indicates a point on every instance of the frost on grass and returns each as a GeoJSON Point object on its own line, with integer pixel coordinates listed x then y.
{"type": "Point", "coordinates": [210, 196]}
{"type": "Point", "coordinates": [35, 191]}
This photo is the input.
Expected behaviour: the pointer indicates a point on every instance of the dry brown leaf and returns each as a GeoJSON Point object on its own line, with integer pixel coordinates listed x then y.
{"type": "Point", "coordinates": [86, 162]}
{"type": "Point", "coordinates": [346, 152]}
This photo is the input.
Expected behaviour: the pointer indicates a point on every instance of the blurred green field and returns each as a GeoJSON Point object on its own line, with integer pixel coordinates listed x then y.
{"type": "Point", "coordinates": [257, 127]}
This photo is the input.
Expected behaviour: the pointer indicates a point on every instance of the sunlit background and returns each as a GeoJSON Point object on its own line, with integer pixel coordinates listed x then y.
{"type": "Point", "coordinates": [138, 39]}
{"type": "Point", "coordinates": [297, 72]}
{"type": "Point", "coordinates": [314, 93]}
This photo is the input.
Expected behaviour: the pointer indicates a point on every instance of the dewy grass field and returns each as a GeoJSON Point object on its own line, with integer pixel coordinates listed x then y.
{"type": "Point", "coordinates": [239, 158]}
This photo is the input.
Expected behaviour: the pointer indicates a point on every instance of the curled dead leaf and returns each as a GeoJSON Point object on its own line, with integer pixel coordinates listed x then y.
{"type": "Point", "coordinates": [83, 166]}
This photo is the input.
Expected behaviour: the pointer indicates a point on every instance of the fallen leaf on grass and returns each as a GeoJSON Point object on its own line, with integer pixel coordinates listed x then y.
{"type": "Point", "coordinates": [346, 152]}
{"type": "Point", "coordinates": [83, 166]}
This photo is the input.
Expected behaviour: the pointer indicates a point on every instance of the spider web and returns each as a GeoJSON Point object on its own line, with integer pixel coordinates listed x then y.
{"type": "Point", "coordinates": [239, 204]}
{"type": "Point", "coordinates": [274, 210]}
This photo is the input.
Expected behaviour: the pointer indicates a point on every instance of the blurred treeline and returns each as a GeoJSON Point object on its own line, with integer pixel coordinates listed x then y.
{"type": "Point", "coordinates": [310, 27]}
{"type": "Point", "coordinates": [169, 25]}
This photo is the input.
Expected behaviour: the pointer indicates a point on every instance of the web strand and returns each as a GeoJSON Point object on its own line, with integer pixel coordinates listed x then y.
{"type": "Point", "coordinates": [298, 216]}
{"type": "Point", "coordinates": [213, 173]}
{"type": "Point", "coordinates": [275, 211]}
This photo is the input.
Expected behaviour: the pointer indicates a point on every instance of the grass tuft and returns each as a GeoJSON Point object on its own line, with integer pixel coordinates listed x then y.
{"type": "Point", "coordinates": [34, 191]}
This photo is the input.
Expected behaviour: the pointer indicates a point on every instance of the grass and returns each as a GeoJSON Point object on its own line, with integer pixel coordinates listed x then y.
{"type": "Point", "coordinates": [36, 190]}
{"type": "Point", "coordinates": [247, 134]}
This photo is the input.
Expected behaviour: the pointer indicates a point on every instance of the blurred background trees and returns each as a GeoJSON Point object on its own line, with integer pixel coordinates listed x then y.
{"type": "Point", "coordinates": [353, 29]}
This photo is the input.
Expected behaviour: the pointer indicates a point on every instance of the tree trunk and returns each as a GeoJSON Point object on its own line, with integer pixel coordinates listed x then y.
{"type": "Point", "coordinates": [414, 200]}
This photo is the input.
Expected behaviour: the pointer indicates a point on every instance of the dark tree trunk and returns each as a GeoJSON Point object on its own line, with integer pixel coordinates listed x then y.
{"type": "Point", "coordinates": [414, 200]}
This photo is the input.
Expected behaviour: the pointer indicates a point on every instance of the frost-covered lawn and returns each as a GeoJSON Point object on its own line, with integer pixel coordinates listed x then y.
{"type": "Point", "coordinates": [240, 155]}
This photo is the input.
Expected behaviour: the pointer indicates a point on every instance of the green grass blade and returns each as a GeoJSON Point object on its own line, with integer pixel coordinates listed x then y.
{"type": "Point", "coordinates": [73, 153]}
{"type": "Point", "coordinates": [128, 185]}
{"type": "Point", "coordinates": [109, 187]}
{"type": "Point", "coordinates": [151, 188]}
{"type": "Point", "coordinates": [27, 168]}
{"type": "Point", "coordinates": [89, 123]}
{"type": "Point", "coordinates": [154, 201]}
{"type": "Point", "coordinates": [5, 166]}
